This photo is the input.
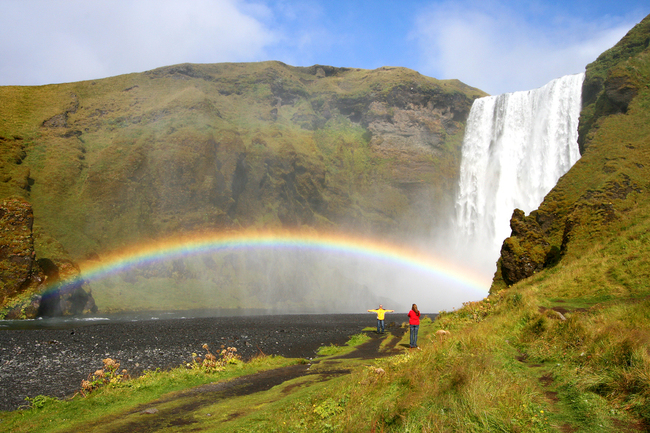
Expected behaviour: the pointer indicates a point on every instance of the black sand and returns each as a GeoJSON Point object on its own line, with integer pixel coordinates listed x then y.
{"type": "Point", "coordinates": [53, 362]}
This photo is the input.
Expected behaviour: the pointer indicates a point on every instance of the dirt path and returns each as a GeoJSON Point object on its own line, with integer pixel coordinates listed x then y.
{"type": "Point", "coordinates": [182, 411]}
{"type": "Point", "coordinates": [152, 419]}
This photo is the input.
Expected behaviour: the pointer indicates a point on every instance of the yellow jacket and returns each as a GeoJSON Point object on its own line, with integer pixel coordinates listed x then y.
{"type": "Point", "coordinates": [380, 313]}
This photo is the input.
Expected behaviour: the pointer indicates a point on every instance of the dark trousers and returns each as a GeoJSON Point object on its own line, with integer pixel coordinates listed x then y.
{"type": "Point", "coordinates": [414, 335]}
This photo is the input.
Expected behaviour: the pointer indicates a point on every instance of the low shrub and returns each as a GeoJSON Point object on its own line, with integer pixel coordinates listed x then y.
{"type": "Point", "coordinates": [212, 363]}
{"type": "Point", "coordinates": [110, 374]}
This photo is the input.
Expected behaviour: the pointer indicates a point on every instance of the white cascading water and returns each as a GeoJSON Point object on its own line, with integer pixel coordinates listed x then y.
{"type": "Point", "coordinates": [516, 147]}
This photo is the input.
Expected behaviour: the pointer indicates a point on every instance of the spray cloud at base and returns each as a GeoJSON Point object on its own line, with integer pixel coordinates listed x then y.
{"type": "Point", "coordinates": [279, 272]}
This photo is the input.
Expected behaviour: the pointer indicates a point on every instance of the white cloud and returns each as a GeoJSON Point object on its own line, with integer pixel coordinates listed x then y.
{"type": "Point", "coordinates": [498, 49]}
{"type": "Point", "coordinates": [496, 45]}
{"type": "Point", "coordinates": [78, 39]}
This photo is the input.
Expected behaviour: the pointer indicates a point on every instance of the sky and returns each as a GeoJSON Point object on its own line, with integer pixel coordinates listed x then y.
{"type": "Point", "coordinates": [496, 46]}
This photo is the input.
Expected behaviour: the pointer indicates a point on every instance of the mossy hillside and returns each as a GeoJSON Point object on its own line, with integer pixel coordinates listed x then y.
{"type": "Point", "coordinates": [116, 162]}
{"type": "Point", "coordinates": [114, 167]}
{"type": "Point", "coordinates": [612, 80]}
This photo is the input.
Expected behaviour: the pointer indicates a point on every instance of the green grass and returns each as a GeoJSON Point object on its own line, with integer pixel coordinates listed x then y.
{"type": "Point", "coordinates": [333, 349]}
{"type": "Point", "coordinates": [511, 368]}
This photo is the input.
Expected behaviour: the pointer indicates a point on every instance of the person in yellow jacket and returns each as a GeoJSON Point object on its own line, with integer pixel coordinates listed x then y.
{"type": "Point", "coordinates": [380, 317]}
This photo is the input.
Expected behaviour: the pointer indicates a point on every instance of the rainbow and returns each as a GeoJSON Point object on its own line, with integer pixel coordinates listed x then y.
{"type": "Point", "coordinates": [370, 249]}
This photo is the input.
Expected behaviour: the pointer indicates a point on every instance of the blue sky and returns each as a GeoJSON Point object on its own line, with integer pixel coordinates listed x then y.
{"type": "Point", "coordinates": [497, 46]}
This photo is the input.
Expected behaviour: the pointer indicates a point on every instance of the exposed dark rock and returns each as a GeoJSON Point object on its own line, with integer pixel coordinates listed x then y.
{"type": "Point", "coordinates": [16, 247]}
{"type": "Point", "coordinates": [57, 121]}
{"type": "Point", "coordinates": [620, 91]}
{"type": "Point", "coordinates": [526, 251]}
{"type": "Point", "coordinates": [72, 300]}
{"type": "Point", "coordinates": [23, 277]}
{"type": "Point", "coordinates": [50, 305]}
{"type": "Point", "coordinates": [61, 120]}
{"type": "Point", "coordinates": [285, 93]}
{"type": "Point", "coordinates": [322, 71]}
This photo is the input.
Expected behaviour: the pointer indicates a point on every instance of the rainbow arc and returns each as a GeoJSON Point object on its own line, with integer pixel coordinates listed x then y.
{"type": "Point", "coordinates": [370, 249]}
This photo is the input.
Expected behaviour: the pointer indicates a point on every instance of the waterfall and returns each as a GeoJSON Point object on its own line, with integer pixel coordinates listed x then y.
{"type": "Point", "coordinates": [516, 147]}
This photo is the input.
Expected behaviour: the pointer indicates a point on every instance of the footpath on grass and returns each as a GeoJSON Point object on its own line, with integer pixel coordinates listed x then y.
{"type": "Point", "coordinates": [234, 403]}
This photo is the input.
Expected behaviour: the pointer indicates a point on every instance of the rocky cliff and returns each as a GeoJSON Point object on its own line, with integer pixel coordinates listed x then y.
{"type": "Point", "coordinates": [25, 278]}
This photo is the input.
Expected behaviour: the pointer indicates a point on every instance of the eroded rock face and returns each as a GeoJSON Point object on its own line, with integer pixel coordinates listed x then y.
{"type": "Point", "coordinates": [620, 91]}
{"type": "Point", "coordinates": [16, 247]}
{"type": "Point", "coordinates": [409, 118]}
{"type": "Point", "coordinates": [535, 242]}
{"type": "Point", "coordinates": [22, 274]}
{"type": "Point", "coordinates": [414, 127]}
{"type": "Point", "coordinates": [526, 251]}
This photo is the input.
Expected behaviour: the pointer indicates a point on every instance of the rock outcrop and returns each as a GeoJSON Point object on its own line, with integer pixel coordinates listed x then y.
{"type": "Point", "coordinates": [17, 255]}
{"type": "Point", "coordinates": [27, 284]}
{"type": "Point", "coordinates": [526, 251]}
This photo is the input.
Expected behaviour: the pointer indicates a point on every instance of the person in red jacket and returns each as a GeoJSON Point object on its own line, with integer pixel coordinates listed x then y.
{"type": "Point", "coordinates": [414, 324]}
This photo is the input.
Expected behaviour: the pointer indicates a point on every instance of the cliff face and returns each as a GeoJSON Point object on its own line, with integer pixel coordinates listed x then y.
{"type": "Point", "coordinates": [17, 255]}
{"type": "Point", "coordinates": [609, 184]}
{"type": "Point", "coordinates": [24, 277]}
{"type": "Point", "coordinates": [130, 159]}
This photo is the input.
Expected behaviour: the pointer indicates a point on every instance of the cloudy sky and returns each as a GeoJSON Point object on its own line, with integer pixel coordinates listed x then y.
{"type": "Point", "coordinates": [497, 46]}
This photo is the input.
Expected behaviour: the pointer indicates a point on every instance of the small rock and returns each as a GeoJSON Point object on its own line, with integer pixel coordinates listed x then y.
{"type": "Point", "coordinates": [149, 411]}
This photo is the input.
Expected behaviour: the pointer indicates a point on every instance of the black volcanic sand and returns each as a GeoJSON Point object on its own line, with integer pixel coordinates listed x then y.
{"type": "Point", "coordinates": [53, 362]}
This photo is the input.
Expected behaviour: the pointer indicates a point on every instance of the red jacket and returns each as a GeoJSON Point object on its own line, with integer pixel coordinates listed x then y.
{"type": "Point", "coordinates": [414, 318]}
